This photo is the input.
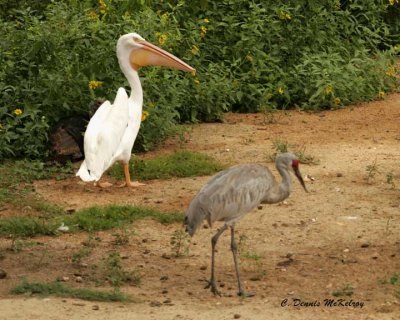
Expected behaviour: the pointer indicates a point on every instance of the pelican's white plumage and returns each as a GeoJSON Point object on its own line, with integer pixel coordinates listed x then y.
{"type": "Point", "coordinates": [112, 130]}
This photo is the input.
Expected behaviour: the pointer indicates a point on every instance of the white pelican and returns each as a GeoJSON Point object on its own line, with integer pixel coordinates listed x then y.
{"type": "Point", "coordinates": [112, 130]}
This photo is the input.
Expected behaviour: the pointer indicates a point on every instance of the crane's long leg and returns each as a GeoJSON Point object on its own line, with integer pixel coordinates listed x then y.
{"type": "Point", "coordinates": [234, 252]}
{"type": "Point", "coordinates": [128, 182]}
{"type": "Point", "coordinates": [212, 284]}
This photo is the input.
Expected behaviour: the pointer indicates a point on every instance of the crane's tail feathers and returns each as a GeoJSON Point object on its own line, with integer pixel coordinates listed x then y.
{"type": "Point", "coordinates": [84, 174]}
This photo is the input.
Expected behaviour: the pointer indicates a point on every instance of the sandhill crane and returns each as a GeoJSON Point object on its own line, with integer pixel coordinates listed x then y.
{"type": "Point", "coordinates": [231, 194]}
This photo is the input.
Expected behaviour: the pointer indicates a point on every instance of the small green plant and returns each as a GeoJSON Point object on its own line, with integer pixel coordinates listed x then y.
{"type": "Point", "coordinates": [77, 257]}
{"type": "Point", "coordinates": [17, 245]}
{"type": "Point", "coordinates": [347, 290]}
{"type": "Point", "coordinates": [178, 164]}
{"type": "Point", "coordinates": [251, 259]}
{"type": "Point", "coordinates": [89, 219]}
{"type": "Point", "coordinates": [393, 280]}
{"type": "Point", "coordinates": [122, 237]}
{"type": "Point", "coordinates": [115, 273]}
{"type": "Point", "coordinates": [180, 242]}
{"type": "Point", "coordinates": [390, 180]}
{"type": "Point", "coordinates": [113, 216]}
{"type": "Point", "coordinates": [60, 290]}
{"type": "Point", "coordinates": [372, 170]}
{"type": "Point", "coordinates": [269, 117]}
{"type": "Point", "coordinates": [27, 227]}
{"type": "Point", "coordinates": [282, 146]}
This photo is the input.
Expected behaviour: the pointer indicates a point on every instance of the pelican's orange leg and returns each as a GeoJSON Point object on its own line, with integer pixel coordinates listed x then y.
{"type": "Point", "coordinates": [128, 182]}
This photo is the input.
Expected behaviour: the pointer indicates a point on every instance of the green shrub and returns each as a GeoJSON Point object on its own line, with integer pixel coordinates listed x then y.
{"type": "Point", "coordinates": [249, 56]}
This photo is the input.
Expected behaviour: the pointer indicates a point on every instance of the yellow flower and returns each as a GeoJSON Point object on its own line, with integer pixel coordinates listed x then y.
{"type": "Point", "coordinates": [283, 15]}
{"type": "Point", "coordinates": [145, 114]}
{"type": "Point", "coordinates": [193, 73]}
{"type": "Point", "coordinates": [94, 84]}
{"type": "Point", "coordinates": [17, 112]}
{"type": "Point", "coordinates": [381, 94]}
{"type": "Point", "coordinates": [393, 2]}
{"type": "Point", "coordinates": [103, 7]}
{"type": "Point", "coordinates": [195, 49]}
{"type": "Point", "coordinates": [280, 90]}
{"type": "Point", "coordinates": [206, 20]}
{"type": "Point", "coordinates": [92, 15]}
{"type": "Point", "coordinates": [162, 38]}
{"type": "Point", "coordinates": [164, 18]}
{"type": "Point", "coordinates": [249, 58]}
{"type": "Point", "coordinates": [203, 31]}
{"type": "Point", "coordinates": [328, 90]}
{"type": "Point", "coordinates": [197, 82]}
{"type": "Point", "coordinates": [391, 71]}
{"type": "Point", "coordinates": [337, 101]}
{"type": "Point", "coordinates": [1, 126]}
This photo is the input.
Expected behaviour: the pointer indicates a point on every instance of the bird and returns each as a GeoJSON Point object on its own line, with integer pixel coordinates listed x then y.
{"type": "Point", "coordinates": [112, 130]}
{"type": "Point", "coordinates": [233, 193]}
{"type": "Point", "coordinates": [66, 136]}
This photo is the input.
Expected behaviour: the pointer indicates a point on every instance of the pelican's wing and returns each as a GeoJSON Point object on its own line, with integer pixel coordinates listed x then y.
{"type": "Point", "coordinates": [103, 136]}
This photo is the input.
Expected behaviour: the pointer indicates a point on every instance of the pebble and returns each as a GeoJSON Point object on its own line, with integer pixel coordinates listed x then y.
{"type": "Point", "coordinates": [165, 291]}
{"type": "Point", "coordinates": [236, 316]}
{"type": "Point", "coordinates": [95, 307]}
{"type": "Point", "coordinates": [79, 279]}
{"type": "Point", "coordinates": [346, 250]}
{"type": "Point", "coordinates": [63, 279]}
{"type": "Point", "coordinates": [165, 256]}
{"type": "Point", "coordinates": [155, 304]}
{"type": "Point", "coordinates": [166, 301]}
{"type": "Point", "coordinates": [365, 245]}
{"type": "Point", "coordinates": [339, 174]}
{"type": "Point", "coordinates": [203, 268]}
{"type": "Point", "coordinates": [3, 274]}
{"type": "Point", "coordinates": [163, 278]}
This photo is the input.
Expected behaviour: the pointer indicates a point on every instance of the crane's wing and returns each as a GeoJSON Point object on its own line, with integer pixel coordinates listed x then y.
{"type": "Point", "coordinates": [103, 136]}
{"type": "Point", "coordinates": [235, 191]}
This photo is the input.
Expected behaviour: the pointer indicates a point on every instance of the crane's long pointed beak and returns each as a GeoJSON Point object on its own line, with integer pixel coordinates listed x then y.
{"type": "Point", "coordinates": [298, 175]}
{"type": "Point", "coordinates": [151, 55]}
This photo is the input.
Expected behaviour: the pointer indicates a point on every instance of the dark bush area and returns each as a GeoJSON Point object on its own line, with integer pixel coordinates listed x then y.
{"type": "Point", "coordinates": [59, 56]}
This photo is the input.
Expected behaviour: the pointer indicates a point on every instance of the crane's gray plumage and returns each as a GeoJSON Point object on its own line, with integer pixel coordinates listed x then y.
{"type": "Point", "coordinates": [232, 193]}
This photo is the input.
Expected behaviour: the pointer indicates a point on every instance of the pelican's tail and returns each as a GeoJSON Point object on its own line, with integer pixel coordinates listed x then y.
{"type": "Point", "coordinates": [84, 173]}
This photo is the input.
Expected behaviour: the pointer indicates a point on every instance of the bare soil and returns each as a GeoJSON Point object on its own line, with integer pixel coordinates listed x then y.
{"type": "Point", "coordinates": [344, 232]}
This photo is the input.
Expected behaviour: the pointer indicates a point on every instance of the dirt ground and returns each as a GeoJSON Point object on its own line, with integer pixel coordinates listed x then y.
{"type": "Point", "coordinates": [344, 232]}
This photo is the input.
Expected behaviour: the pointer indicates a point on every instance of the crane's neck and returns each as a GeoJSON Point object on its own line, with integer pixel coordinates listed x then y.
{"type": "Point", "coordinates": [279, 191]}
{"type": "Point", "coordinates": [132, 76]}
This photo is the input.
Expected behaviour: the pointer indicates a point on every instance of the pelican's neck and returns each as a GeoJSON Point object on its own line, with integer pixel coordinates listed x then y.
{"type": "Point", "coordinates": [132, 76]}
{"type": "Point", "coordinates": [279, 191]}
{"type": "Point", "coordinates": [136, 87]}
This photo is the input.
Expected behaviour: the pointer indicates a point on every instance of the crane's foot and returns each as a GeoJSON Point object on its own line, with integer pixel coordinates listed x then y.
{"type": "Point", "coordinates": [213, 287]}
{"type": "Point", "coordinates": [102, 184]}
{"type": "Point", "coordinates": [246, 294]}
{"type": "Point", "coordinates": [131, 184]}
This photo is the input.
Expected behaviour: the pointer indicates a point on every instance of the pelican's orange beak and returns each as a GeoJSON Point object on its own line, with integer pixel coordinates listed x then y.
{"type": "Point", "coordinates": [151, 55]}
